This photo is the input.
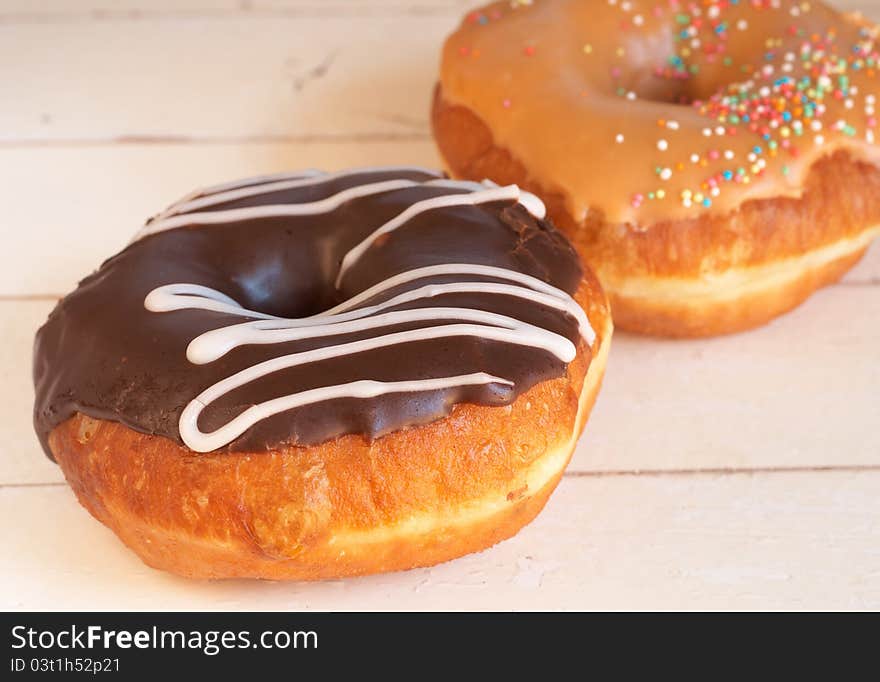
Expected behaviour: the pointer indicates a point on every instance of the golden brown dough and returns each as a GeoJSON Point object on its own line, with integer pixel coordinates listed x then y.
{"type": "Point", "coordinates": [346, 507]}
{"type": "Point", "coordinates": [697, 219]}
{"type": "Point", "coordinates": [765, 259]}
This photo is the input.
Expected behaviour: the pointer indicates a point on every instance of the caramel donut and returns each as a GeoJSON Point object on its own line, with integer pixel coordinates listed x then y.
{"type": "Point", "coordinates": [314, 375]}
{"type": "Point", "coordinates": [715, 162]}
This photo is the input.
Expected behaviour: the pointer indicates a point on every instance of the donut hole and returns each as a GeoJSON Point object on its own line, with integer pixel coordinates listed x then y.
{"type": "Point", "coordinates": [283, 285]}
{"type": "Point", "coordinates": [278, 272]}
{"type": "Point", "coordinates": [650, 87]}
{"type": "Point", "coordinates": [639, 71]}
{"type": "Point", "coordinates": [646, 71]}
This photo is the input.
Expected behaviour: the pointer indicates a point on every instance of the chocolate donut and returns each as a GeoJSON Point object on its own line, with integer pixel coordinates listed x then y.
{"type": "Point", "coordinates": [714, 162]}
{"type": "Point", "coordinates": [310, 375]}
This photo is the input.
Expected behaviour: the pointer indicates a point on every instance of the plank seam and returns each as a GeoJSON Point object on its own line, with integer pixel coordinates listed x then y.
{"type": "Point", "coordinates": [24, 298]}
{"type": "Point", "coordinates": [725, 471]}
{"type": "Point", "coordinates": [213, 140]}
{"type": "Point", "coordinates": [870, 282]}
{"type": "Point", "coordinates": [244, 11]}
{"type": "Point", "coordinates": [48, 484]}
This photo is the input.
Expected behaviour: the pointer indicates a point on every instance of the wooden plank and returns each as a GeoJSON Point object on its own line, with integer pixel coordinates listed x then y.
{"type": "Point", "coordinates": [249, 86]}
{"type": "Point", "coordinates": [740, 403]}
{"type": "Point", "coordinates": [244, 76]}
{"type": "Point", "coordinates": [868, 270]}
{"type": "Point", "coordinates": [236, 74]}
{"type": "Point", "coordinates": [22, 460]}
{"type": "Point", "coordinates": [798, 392]}
{"type": "Point", "coordinates": [783, 541]}
{"type": "Point", "coordinates": [870, 8]}
{"type": "Point", "coordinates": [67, 8]}
{"type": "Point", "coordinates": [72, 207]}
{"type": "Point", "coordinates": [59, 10]}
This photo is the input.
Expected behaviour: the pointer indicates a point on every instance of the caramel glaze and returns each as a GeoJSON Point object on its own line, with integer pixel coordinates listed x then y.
{"type": "Point", "coordinates": [101, 353]}
{"type": "Point", "coordinates": [624, 106]}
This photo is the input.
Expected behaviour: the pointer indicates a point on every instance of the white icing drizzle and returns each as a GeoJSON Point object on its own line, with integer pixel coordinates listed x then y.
{"type": "Point", "coordinates": [511, 192]}
{"type": "Point", "coordinates": [244, 182]}
{"type": "Point", "coordinates": [465, 269]}
{"type": "Point", "coordinates": [176, 215]}
{"type": "Point", "coordinates": [265, 184]}
{"type": "Point", "coordinates": [272, 210]}
{"type": "Point", "coordinates": [352, 316]}
{"type": "Point", "coordinates": [214, 344]}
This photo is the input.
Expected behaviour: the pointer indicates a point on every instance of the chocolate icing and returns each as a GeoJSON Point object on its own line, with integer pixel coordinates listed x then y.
{"type": "Point", "coordinates": [103, 354]}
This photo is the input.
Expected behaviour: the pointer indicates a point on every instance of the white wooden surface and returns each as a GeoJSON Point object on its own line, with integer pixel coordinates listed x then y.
{"type": "Point", "coordinates": [741, 472]}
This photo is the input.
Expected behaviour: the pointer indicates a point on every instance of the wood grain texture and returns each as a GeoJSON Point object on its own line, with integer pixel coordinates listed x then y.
{"type": "Point", "coordinates": [737, 402]}
{"type": "Point", "coordinates": [739, 472]}
{"type": "Point", "coordinates": [61, 10]}
{"type": "Point", "coordinates": [21, 458]}
{"type": "Point", "coordinates": [868, 271]}
{"type": "Point", "coordinates": [72, 206]}
{"type": "Point", "coordinates": [243, 76]}
{"type": "Point", "coordinates": [764, 542]}
{"type": "Point", "coordinates": [100, 195]}
{"type": "Point", "coordinates": [313, 70]}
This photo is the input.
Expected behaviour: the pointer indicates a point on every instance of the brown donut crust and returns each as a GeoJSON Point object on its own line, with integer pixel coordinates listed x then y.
{"type": "Point", "coordinates": [840, 202]}
{"type": "Point", "coordinates": [345, 507]}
